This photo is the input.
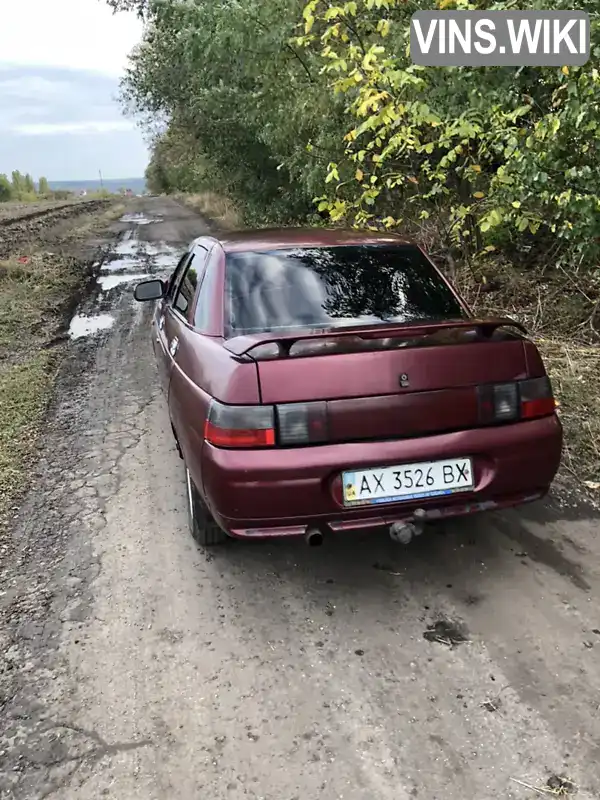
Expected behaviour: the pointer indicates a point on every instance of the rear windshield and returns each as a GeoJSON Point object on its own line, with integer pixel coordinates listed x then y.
{"type": "Point", "coordinates": [329, 287]}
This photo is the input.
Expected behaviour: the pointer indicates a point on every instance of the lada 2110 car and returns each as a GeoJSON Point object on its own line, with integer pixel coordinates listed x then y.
{"type": "Point", "coordinates": [320, 381]}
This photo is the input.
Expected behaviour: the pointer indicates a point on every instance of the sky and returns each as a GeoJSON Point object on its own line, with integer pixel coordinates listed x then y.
{"type": "Point", "coordinates": [60, 64]}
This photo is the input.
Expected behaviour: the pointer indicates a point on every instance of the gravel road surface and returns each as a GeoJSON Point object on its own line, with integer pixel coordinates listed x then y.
{"type": "Point", "coordinates": [465, 666]}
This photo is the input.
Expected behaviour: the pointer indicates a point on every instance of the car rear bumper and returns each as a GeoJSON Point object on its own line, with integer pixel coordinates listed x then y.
{"type": "Point", "coordinates": [283, 492]}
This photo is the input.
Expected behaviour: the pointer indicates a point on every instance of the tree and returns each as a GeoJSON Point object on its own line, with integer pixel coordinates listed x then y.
{"type": "Point", "coordinates": [6, 189]}
{"type": "Point", "coordinates": [18, 182]}
{"type": "Point", "coordinates": [43, 187]}
{"type": "Point", "coordinates": [29, 184]}
{"type": "Point", "coordinates": [494, 152]}
{"type": "Point", "coordinates": [227, 79]}
{"type": "Point", "coordinates": [294, 107]}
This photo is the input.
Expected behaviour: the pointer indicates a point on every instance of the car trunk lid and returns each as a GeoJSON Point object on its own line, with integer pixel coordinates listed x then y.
{"type": "Point", "coordinates": [389, 381]}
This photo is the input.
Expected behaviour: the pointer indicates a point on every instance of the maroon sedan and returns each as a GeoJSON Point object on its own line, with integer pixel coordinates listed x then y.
{"type": "Point", "coordinates": [323, 381]}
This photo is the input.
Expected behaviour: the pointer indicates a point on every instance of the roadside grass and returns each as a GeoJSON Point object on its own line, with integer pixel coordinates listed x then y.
{"type": "Point", "coordinates": [24, 389]}
{"type": "Point", "coordinates": [37, 288]}
{"type": "Point", "coordinates": [218, 209]}
{"type": "Point", "coordinates": [560, 311]}
{"type": "Point", "coordinates": [575, 373]}
{"type": "Point", "coordinates": [31, 293]}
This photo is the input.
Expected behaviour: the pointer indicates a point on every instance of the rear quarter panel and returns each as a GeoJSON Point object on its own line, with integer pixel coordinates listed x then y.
{"type": "Point", "coordinates": [203, 370]}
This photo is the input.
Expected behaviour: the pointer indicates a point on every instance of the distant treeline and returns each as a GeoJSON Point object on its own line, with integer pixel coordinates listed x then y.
{"type": "Point", "coordinates": [23, 188]}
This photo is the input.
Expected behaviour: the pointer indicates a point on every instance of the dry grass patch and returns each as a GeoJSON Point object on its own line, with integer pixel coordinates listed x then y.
{"type": "Point", "coordinates": [216, 208]}
{"type": "Point", "coordinates": [24, 392]}
{"type": "Point", "coordinates": [32, 292]}
{"type": "Point", "coordinates": [560, 310]}
{"type": "Point", "coordinates": [575, 373]}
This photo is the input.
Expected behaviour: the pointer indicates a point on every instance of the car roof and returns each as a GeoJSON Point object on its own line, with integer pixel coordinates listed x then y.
{"type": "Point", "coordinates": [285, 238]}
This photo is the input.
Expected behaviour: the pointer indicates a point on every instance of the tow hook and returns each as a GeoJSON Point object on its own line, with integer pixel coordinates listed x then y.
{"type": "Point", "coordinates": [403, 532]}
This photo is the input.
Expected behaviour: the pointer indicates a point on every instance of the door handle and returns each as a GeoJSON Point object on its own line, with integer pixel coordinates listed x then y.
{"type": "Point", "coordinates": [173, 346]}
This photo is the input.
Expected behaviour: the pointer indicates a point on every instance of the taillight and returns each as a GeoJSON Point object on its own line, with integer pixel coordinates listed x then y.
{"type": "Point", "coordinates": [506, 401]}
{"type": "Point", "coordinates": [498, 402]}
{"type": "Point", "coordinates": [537, 399]}
{"type": "Point", "coordinates": [302, 423]}
{"type": "Point", "coordinates": [509, 402]}
{"type": "Point", "coordinates": [240, 426]}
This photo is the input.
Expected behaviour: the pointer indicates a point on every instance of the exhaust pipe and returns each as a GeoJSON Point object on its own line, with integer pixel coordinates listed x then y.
{"type": "Point", "coordinates": [313, 537]}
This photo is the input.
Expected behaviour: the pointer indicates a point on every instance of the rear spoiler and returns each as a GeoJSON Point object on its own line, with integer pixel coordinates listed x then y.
{"type": "Point", "coordinates": [243, 345]}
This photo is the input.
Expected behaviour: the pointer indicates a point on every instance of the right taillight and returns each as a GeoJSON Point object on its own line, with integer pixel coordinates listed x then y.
{"type": "Point", "coordinates": [537, 399]}
{"type": "Point", "coordinates": [518, 400]}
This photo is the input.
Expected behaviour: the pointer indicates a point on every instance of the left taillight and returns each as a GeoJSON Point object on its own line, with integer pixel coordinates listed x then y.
{"type": "Point", "coordinates": [240, 426]}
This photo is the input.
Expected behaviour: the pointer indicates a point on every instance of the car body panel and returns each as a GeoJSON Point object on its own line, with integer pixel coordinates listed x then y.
{"type": "Point", "coordinates": [274, 489]}
{"type": "Point", "coordinates": [369, 374]}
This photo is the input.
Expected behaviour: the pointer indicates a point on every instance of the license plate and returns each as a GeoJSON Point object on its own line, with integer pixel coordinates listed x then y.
{"type": "Point", "coordinates": [407, 481]}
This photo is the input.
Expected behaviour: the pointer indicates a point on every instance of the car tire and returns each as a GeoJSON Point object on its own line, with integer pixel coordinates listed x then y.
{"type": "Point", "coordinates": [203, 527]}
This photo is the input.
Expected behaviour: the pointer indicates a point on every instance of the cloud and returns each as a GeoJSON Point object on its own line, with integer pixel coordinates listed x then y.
{"type": "Point", "coordinates": [64, 111]}
{"type": "Point", "coordinates": [55, 95]}
{"type": "Point", "coordinates": [90, 126]}
{"type": "Point", "coordinates": [78, 34]}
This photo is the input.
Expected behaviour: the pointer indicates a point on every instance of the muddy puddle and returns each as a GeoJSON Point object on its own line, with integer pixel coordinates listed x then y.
{"type": "Point", "coordinates": [87, 325]}
{"type": "Point", "coordinates": [140, 219]}
{"type": "Point", "coordinates": [108, 282]}
{"type": "Point", "coordinates": [128, 246]}
{"type": "Point", "coordinates": [131, 261]}
{"type": "Point", "coordinates": [131, 253]}
{"type": "Point", "coordinates": [125, 265]}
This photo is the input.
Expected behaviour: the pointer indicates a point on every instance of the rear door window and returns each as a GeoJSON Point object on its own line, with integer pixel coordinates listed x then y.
{"type": "Point", "coordinates": [191, 279]}
{"type": "Point", "coordinates": [328, 287]}
{"type": "Point", "coordinates": [186, 289]}
{"type": "Point", "coordinates": [175, 278]}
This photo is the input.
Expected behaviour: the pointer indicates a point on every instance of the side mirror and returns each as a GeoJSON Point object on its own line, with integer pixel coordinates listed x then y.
{"type": "Point", "coordinates": [150, 290]}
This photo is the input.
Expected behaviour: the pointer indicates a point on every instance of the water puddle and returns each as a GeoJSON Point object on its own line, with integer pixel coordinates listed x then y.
{"type": "Point", "coordinates": [153, 249]}
{"type": "Point", "coordinates": [127, 264]}
{"type": "Point", "coordinates": [166, 261]}
{"type": "Point", "coordinates": [128, 247]}
{"type": "Point", "coordinates": [84, 325]}
{"type": "Point", "coordinates": [108, 282]}
{"type": "Point", "coordinates": [139, 219]}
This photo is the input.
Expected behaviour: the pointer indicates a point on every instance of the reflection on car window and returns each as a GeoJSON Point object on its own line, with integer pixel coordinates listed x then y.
{"type": "Point", "coordinates": [333, 286]}
{"type": "Point", "coordinates": [205, 295]}
{"type": "Point", "coordinates": [187, 288]}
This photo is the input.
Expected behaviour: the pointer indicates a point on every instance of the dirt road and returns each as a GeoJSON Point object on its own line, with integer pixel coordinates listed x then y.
{"type": "Point", "coordinates": [140, 667]}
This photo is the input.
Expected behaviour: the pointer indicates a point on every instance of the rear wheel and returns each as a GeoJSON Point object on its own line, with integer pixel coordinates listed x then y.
{"type": "Point", "coordinates": [203, 527]}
